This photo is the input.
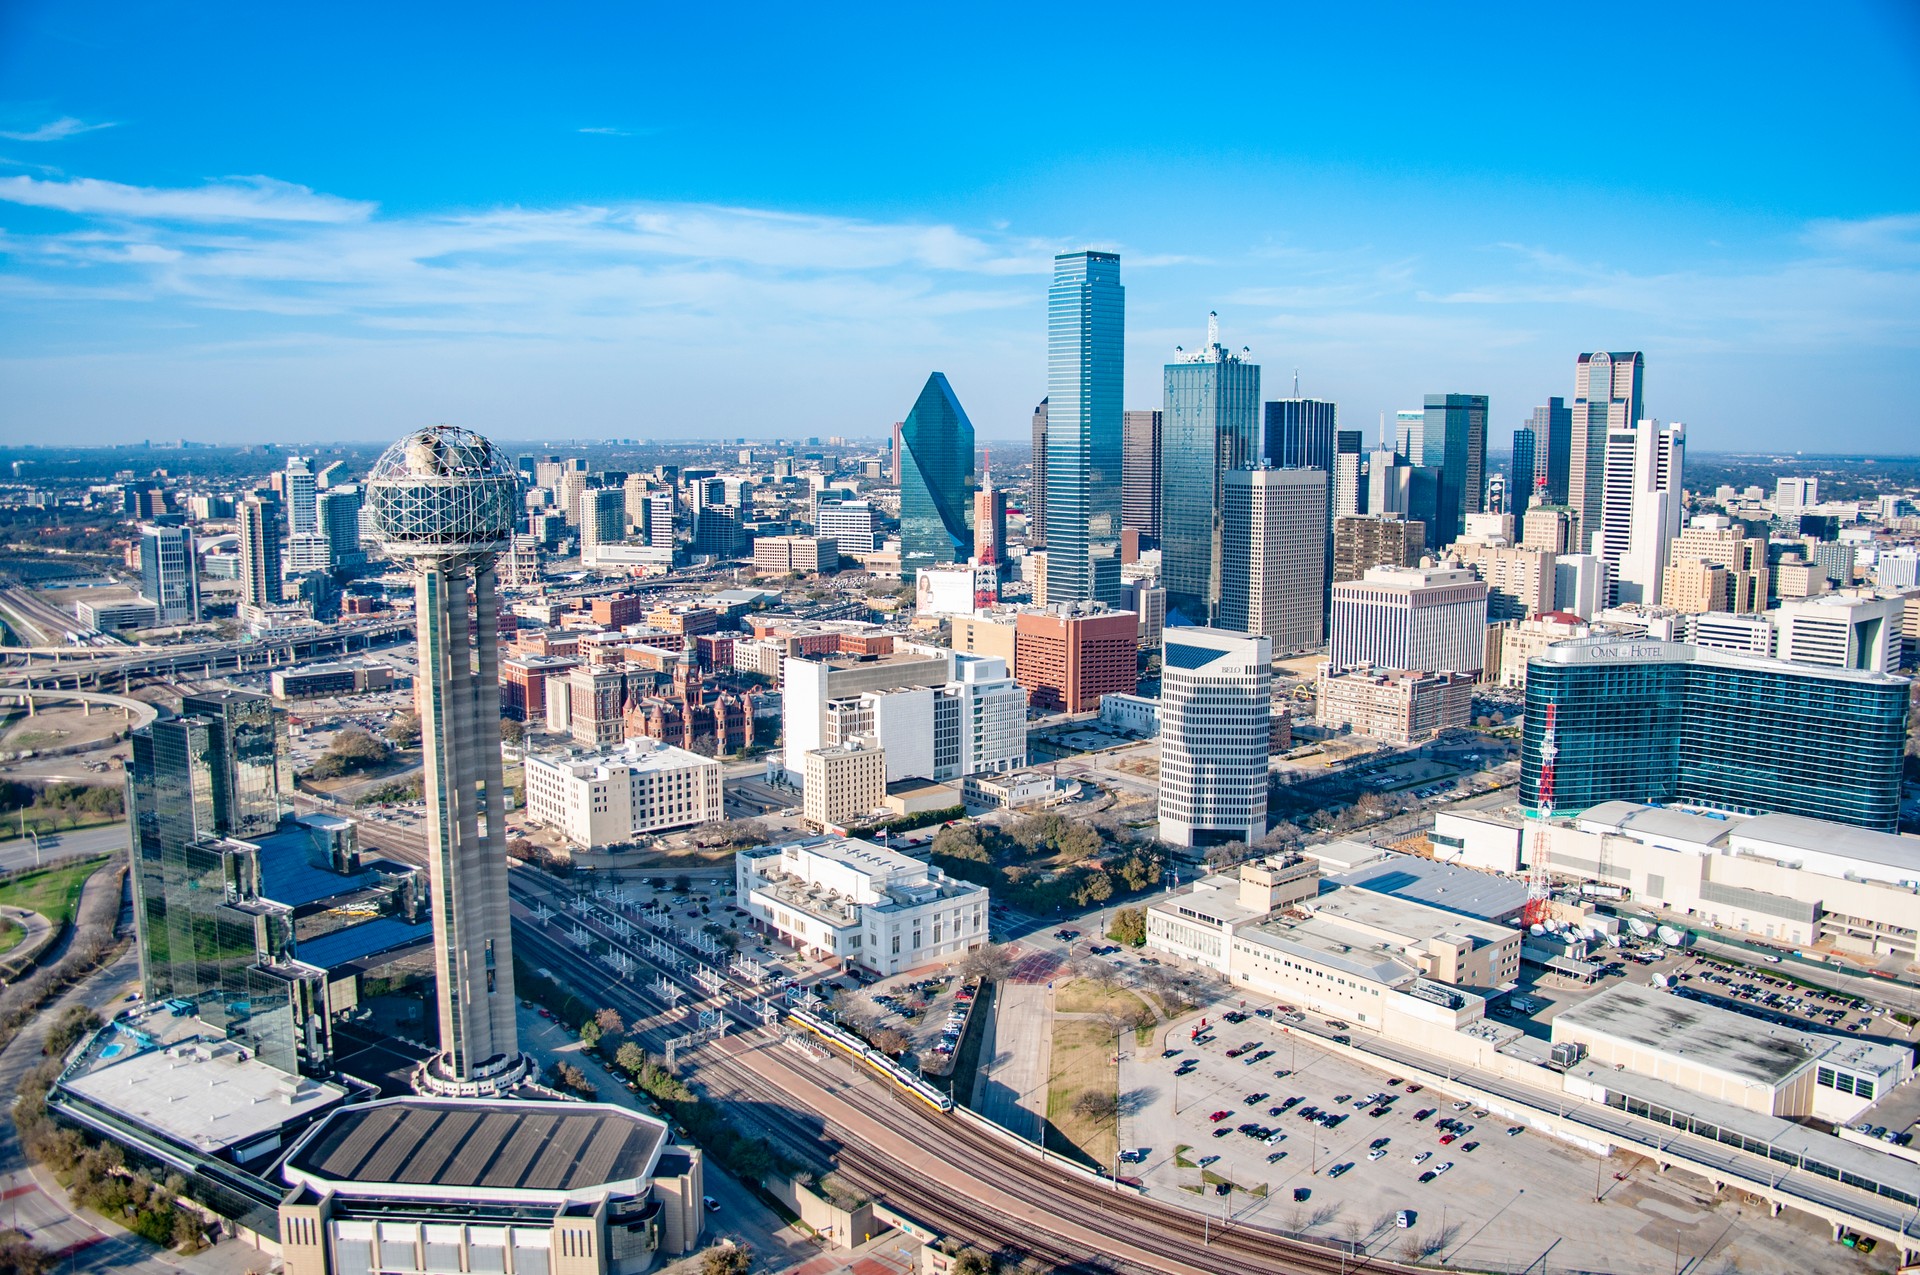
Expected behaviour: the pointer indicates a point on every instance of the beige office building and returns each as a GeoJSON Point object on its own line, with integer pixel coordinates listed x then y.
{"type": "Point", "coordinates": [1375, 540]}
{"type": "Point", "coordinates": [843, 783]}
{"type": "Point", "coordinates": [1391, 705]}
{"type": "Point", "coordinates": [1519, 579]}
{"type": "Point", "coordinates": [1547, 527]}
{"type": "Point", "coordinates": [1712, 540]}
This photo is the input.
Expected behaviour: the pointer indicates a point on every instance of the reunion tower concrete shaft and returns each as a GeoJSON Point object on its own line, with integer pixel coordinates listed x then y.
{"type": "Point", "coordinates": [446, 498]}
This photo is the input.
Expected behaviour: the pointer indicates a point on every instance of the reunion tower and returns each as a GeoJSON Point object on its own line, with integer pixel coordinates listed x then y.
{"type": "Point", "coordinates": [447, 499]}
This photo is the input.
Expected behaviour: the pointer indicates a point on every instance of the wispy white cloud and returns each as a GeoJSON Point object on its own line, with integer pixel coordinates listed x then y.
{"type": "Point", "coordinates": [235, 199]}
{"type": "Point", "coordinates": [607, 132]}
{"type": "Point", "coordinates": [55, 130]}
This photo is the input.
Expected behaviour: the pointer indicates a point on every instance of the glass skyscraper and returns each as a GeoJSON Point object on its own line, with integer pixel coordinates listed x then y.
{"type": "Point", "coordinates": [1520, 484]}
{"type": "Point", "coordinates": [205, 787]}
{"type": "Point", "coordinates": [936, 480]}
{"type": "Point", "coordinates": [1552, 426]}
{"type": "Point", "coordinates": [1086, 331]}
{"type": "Point", "coordinates": [1453, 443]}
{"type": "Point", "coordinates": [1665, 722]}
{"type": "Point", "coordinates": [1210, 427]}
{"type": "Point", "coordinates": [1299, 434]}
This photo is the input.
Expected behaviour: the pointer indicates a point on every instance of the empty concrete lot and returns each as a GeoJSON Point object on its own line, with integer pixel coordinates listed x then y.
{"type": "Point", "coordinates": [1512, 1202]}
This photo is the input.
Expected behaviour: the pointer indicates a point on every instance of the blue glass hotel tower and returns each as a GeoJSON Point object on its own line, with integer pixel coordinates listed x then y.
{"type": "Point", "coordinates": [1086, 331]}
{"type": "Point", "coordinates": [1666, 722]}
{"type": "Point", "coordinates": [936, 480]}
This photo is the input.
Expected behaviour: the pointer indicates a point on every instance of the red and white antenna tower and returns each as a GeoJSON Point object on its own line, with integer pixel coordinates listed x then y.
{"type": "Point", "coordinates": [1539, 881]}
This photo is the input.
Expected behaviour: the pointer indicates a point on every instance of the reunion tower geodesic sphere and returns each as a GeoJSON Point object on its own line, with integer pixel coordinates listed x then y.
{"type": "Point", "coordinates": [443, 493]}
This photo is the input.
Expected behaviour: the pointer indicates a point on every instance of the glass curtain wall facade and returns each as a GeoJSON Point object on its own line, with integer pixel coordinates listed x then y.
{"type": "Point", "coordinates": [936, 480]}
{"type": "Point", "coordinates": [1211, 426]}
{"type": "Point", "coordinates": [206, 935]}
{"type": "Point", "coordinates": [1086, 331]}
{"type": "Point", "coordinates": [1520, 488]}
{"type": "Point", "coordinates": [1140, 474]}
{"type": "Point", "coordinates": [1299, 434]}
{"type": "Point", "coordinates": [1664, 722]}
{"type": "Point", "coordinates": [1552, 426]}
{"type": "Point", "coordinates": [1454, 445]}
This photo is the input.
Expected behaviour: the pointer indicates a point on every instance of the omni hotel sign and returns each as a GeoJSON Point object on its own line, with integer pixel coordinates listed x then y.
{"type": "Point", "coordinates": [1621, 651]}
{"type": "Point", "coordinates": [1624, 652]}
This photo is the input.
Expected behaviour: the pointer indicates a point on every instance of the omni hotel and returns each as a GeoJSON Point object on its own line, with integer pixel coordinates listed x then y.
{"type": "Point", "coordinates": [1665, 722]}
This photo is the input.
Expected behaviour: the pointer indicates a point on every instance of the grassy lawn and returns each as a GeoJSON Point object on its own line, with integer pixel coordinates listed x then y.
{"type": "Point", "coordinates": [44, 821]}
{"type": "Point", "coordinates": [10, 936]}
{"type": "Point", "coordinates": [52, 892]}
{"type": "Point", "coordinates": [1180, 1156]}
{"type": "Point", "coordinates": [1084, 996]}
{"type": "Point", "coordinates": [1083, 1063]}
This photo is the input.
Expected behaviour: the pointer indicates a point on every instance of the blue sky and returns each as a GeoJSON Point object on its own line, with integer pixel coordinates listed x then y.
{"type": "Point", "coordinates": [294, 223]}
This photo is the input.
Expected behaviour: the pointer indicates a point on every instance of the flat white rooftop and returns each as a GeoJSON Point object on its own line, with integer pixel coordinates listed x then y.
{"type": "Point", "coordinates": [635, 756]}
{"type": "Point", "coordinates": [1704, 1035]}
{"type": "Point", "coordinates": [1407, 919]}
{"type": "Point", "coordinates": [201, 1093]}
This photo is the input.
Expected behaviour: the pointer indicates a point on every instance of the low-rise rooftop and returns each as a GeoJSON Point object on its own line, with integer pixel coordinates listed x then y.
{"type": "Point", "coordinates": [1406, 920]}
{"type": "Point", "coordinates": [1706, 1036]}
{"type": "Point", "coordinates": [209, 1094]}
{"type": "Point", "coordinates": [1482, 895]}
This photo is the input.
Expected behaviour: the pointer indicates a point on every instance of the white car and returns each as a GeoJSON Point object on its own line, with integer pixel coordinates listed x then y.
{"type": "Point", "coordinates": [1403, 1219]}
{"type": "Point", "coordinates": [1375, 1155]}
{"type": "Point", "coordinates": [1423, 1157]}
{"type": "Point", "coordinates": [1443, 1166]}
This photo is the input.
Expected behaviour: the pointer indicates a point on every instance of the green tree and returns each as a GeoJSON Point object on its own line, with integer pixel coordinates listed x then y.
{"type": "Point", "coordinates": [512, 733]}
{"type": "Point", "coordinates": [590, 1033]}
{"type": "Point", "coordinates": [630, 1058]}
{"type": "Point", "coordinates": [404, 730]}
{"type": "Point", "coordinates": [610, 1021]}
{"type": "Point", "coordinates": [730, 1258]}
{"type": "Point", "coordinates": [1128, 926]}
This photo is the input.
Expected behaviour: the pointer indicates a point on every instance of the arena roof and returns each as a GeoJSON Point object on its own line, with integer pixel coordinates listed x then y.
{"type": "Point", "coordinates": [453, 1146]}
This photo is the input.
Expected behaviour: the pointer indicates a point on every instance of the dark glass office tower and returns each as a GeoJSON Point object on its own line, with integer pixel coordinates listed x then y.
{"type": "Point", "coordinates": [1552, 427]}
{"type": "Point", "coordinates": [1666, 722]}
{"type": "Point", "coordinates": [1210, 427]}
{"type": "Point", "coordinates": [1086, 332]}
{"type": "Point", "coordinates": [1520, 482]}
{"type": "Point", "coordinates": [936, 480]}
{"type": "Point", "coordinates": [1298, 434]}
{"type": "Point", "coordinates": [1140, 474]}
{"type": "Point", "coordinates": [1454, 443]}
{"type": "Point", "coordinates": [1037, 493]}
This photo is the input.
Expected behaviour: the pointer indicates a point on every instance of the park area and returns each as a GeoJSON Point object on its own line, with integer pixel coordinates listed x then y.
{"type": "Point", "coordinates": [52, 892]}
{"type": "Point", "coordinates": [1044, 863]}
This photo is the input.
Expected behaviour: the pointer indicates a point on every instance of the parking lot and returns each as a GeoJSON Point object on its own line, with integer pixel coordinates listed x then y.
{"type": "Point", "coordinates": [1287, 1130]}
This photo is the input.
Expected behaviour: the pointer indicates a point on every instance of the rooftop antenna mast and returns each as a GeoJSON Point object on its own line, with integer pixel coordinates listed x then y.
{"type": "Point", "coordinates": [1296, 382]}
{"type": "Point", "coordinates": [1213, 328]}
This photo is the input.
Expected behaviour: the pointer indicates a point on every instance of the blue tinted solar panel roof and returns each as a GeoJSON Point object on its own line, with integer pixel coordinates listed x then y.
{"type": "Point", "coordinates": [1180, 655]}
{"type": "Point", "coordinates": [286, 876]}
{"type": "Point", "coordinates": [382, 934]}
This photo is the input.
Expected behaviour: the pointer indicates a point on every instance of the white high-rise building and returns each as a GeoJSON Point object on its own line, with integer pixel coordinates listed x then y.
{"type": "Point", "coordinates": [1795, 494]}
{"type": "Point", "coordinates": [1215, 710]}
{"type": "Point", "coordinates": [1421, 619]}
{"type": "Point", "coordinates": [853, 524]}
{"type": "Point", "coordinates": [339, 521]}
{"type": "Point", "coordinates": [303, 490]}
{"type": "Point", "coordinates": [1409, 435]}
{"type": "Point", "coordinates": [1640, 514]}
{"type": "Point", "coordinates": [611, 796]}
{"type": "Point", "coordinates": [1273, 554]}
{"type": "Point", "coordinates": [979, 720]}
{"type": "Point", "coordinates": [169, 574]}
{"type": "Point", "coordinates": [1840, 631]}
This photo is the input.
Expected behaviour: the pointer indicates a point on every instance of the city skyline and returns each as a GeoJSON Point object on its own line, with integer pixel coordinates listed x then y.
{"type": "Point", "coordinates": [582, 257]}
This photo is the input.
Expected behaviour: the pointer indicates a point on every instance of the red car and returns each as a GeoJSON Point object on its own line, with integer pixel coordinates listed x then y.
{"type": "Point", "coordinates": [1445, 1138]}
{"type": "Point", "coordinates": [1218, 1116]}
